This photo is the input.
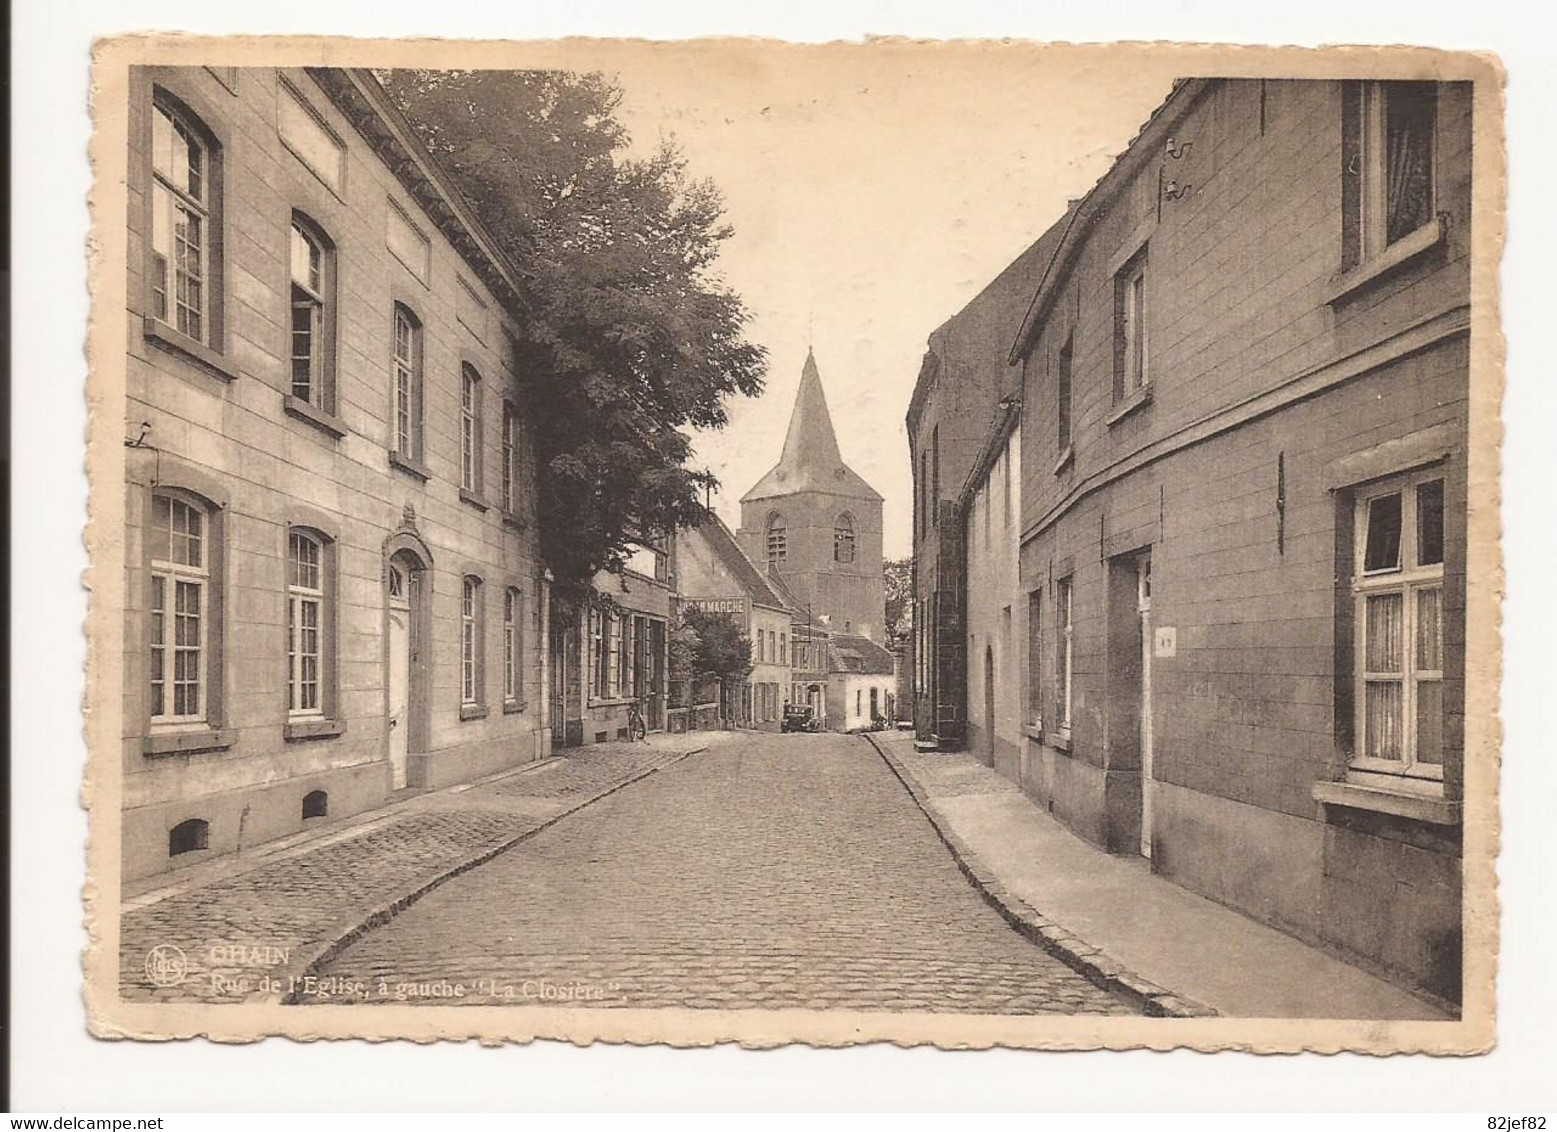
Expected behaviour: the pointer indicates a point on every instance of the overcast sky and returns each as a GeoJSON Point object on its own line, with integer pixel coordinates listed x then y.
{"type": "Point", "coordinates": [873, 192]}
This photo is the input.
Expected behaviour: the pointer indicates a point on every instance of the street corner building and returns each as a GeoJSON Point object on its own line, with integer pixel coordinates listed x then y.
{"type": "Point", "coordinates": [333, 584]}
{"type": "Point", "coordinates": [715, 575]}
{"type": "Point", "coordinates": [1190, 512]}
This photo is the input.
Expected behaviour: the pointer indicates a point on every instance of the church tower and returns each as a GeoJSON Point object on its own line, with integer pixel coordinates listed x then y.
{"type": "Point", "coordinates": [816, 523]}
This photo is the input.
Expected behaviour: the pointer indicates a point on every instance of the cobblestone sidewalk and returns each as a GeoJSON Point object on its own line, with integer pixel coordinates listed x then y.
{"type": "Point", "coordinates": [244, 933]}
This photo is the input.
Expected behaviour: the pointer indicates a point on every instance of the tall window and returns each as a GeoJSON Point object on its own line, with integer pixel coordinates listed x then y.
{"type": "Point", "coordinates": [407, 384]}
{"type": "Point", "coordinates": [1399, 619]}
{"type": "Point", "coordinates": [624, 652]}
{"type": "Point", "coordinates": [1391, 162]}
{"type": "Point", "coordinates": [1130, 328]}
{"type": "Point", "coordinates": [470, 428]}
{"type": "Point", "coordinates": [1063, 601]}
{"type": "Point", "coordinates": [613, 632]}
{"type": "Point", "coordinates": [310, 343]}
{"type": "Point", "coordinates": [783, 648]}
{"type": "Point", "coordinates": [597, 652]}
{"type": "Point", "coordinates": [305, 624]}
{"type": "Point", "coordinates": [1063, 398]}
{"type": "Point", "coordinates": [180, 609]}
{"type": "Point", "coordinates": [778, 539]}
{"type": "Point", "coordinates": [843, 538]}
{"type": "Point", "coordinates": [513, 645]}
{"type": "Point", "coordinates": [470, 641]}
{"type": "Point", "coordinates": [510, 458]}
{"type": "Point", "coordinates": [1035, 658]}
{"type": "Point", "coordinates": [183, 219]}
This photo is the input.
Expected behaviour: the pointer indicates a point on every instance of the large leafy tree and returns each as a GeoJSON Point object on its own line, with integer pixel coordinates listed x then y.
{"type": "Point", "coordinates": [630, 338]}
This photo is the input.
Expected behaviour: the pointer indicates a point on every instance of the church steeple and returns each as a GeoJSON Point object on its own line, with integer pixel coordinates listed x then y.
{"type": "Point", "coordinates": [810, 439]}
{"type": "Point", "coordinates": [811, 460]}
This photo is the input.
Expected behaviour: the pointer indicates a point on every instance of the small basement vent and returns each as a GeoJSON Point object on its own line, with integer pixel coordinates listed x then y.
{"type": "Point", "coordinates": [316, 804]}
{"type": "Point", "coordinates": [602, 736]}
{"type": "Point", "coordinates": [186, 836]}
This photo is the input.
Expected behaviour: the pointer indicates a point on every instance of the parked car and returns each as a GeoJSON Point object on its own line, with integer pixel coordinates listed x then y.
{"type": "Point", "coordinates": [800, 717]}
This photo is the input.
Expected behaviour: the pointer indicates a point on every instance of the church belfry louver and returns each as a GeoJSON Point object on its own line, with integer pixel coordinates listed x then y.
{"type": "Point", "coordinates": [816, 523]}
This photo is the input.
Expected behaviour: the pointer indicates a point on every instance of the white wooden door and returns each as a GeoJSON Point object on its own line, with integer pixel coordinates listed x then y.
{"type": "Point", "coordinates": [1144, 603]}
{"type": "Point", "coordinates": [399, 679]}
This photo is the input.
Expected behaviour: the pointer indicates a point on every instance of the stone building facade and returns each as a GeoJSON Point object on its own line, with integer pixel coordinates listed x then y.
{"type": "Point", "coordinates": [989, 512]}
{"type": "Point", "coordinates": [333, 589]}
{"type": "Point", "coordinates": [956, 401]}
{"type": "Point", "coordinates": [861, 682]}
{"type": "Point", "coordinates": [1243, 511]}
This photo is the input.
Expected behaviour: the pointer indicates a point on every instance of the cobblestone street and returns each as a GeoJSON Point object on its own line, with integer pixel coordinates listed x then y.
{"type": "Point", "coordinates": [770, 871]}
{"type": "Point", "coordinates": [250, 922]}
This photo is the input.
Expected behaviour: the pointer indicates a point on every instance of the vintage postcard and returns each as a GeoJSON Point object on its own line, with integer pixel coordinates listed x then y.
{"type": "Point", "coordinates": [973, 544]}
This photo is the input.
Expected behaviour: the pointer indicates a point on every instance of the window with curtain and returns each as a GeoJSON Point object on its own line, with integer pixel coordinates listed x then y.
{"type": "Point", "coordinates": [1399, 626]}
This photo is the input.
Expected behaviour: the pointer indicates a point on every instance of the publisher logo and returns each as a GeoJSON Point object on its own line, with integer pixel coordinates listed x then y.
{"type": "Point", "coordinates": [166, 965]}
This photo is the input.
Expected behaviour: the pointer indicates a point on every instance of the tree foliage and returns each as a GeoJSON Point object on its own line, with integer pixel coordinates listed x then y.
{"type": "Point", "coordinates": [722, 651]}
{"type": "Point", "coordinates": [898, 576]}
{"type": "Point", "coordinates": [630, 339]}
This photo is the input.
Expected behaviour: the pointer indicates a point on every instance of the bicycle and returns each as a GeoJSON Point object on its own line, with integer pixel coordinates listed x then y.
{"type": "Point", "coordinates": [637, 729]}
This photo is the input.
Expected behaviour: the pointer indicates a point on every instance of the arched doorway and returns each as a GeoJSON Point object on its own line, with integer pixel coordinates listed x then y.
{"type": "Point", "coordinates": [407, 612]}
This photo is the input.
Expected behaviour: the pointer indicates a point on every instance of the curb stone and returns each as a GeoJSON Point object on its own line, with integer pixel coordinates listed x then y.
{"type": "Point", "coordinates": [1076, 953]}
{"type": "Point", "coordinates": [358, 926]}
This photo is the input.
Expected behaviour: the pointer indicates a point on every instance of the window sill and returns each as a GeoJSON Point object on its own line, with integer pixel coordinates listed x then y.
{"type": "Point", "coordinates": [312, 414]}
{"type": "Point", "coordinates": [1060, 741]}
{"type": "Point", "coordinates": [1397, 255]}
{"type": "Point", "coordinates": [1136, 401]}
{"type": "Point", "coordinates": [300, 730]}
{"type": "Point", "coordinates": [1067, 457]}
{"type": "Point", "coordinates": [611, 701]}
{"type": "Point", "coordinates": [187, 742]}
{"type": "Point", "coordinates": [474, 499]}
{"type": "Point", "coordinates": [401, 462]}
{"type": "Point", "coordinates": [473, 711]}
{"type": "Point", "coordinates": [514, 707]}
{"type": "Point", "coordinates": [161, 334]}
{"type": "Point", "coordinates": [1034, 732]}
{"type": "Point", "coordinates": [1418, 807]}
{"type": "Point", "coordinates": [515, 520]}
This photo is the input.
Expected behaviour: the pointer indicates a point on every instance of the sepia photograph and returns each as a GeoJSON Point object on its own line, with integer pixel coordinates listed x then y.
{"type": "Point", "coordinates": [965, 544]}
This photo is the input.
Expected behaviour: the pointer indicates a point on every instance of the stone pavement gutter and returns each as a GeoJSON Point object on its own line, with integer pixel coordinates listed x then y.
{"type": "Point", "coordinates": [259, 929]}
{"type": "Point", "coordinates": [1070, 949]}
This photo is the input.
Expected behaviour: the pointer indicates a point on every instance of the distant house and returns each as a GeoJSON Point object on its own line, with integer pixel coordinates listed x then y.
{"type": "Point", "coordinates": [861, 682]}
